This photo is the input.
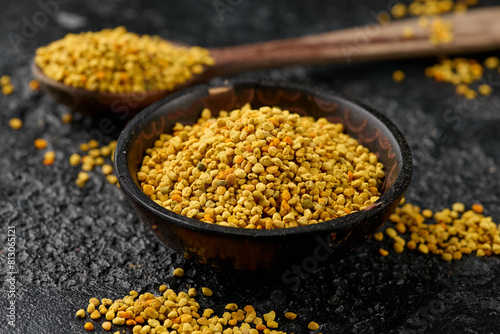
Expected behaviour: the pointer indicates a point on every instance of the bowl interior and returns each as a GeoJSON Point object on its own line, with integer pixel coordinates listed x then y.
{"type": "Point", "coordinates": [361, 122]}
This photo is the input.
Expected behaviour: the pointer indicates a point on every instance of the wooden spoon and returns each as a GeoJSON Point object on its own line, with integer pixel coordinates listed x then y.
{"type": "Point", "coordinates": [474, 31]}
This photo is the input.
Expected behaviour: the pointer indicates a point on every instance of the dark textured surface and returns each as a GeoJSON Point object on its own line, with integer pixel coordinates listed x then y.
{"type": "Point", "coordinates": [73, 244]}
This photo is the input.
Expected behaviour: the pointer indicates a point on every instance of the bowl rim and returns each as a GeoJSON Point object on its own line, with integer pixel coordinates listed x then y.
{"type": "Point", "coordinates": [131, 190]}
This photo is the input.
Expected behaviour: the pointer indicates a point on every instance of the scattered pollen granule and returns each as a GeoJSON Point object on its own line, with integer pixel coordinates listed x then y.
{"type": "Point", "coordinates": [452, 233]}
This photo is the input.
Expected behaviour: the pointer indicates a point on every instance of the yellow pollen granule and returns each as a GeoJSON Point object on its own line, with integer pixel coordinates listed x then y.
{"type": "Point", "coordinates": [15, 123]}
{"type": "Point", "coordinates": [34, 85]}
{"type": "Point", "coordinates": [398, 76]}
{"type": "Point", "coordinates": [492, 62]}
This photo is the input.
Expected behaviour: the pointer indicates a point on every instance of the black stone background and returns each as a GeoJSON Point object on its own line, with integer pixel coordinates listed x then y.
{"type": "Point", "coordinates": [73, 244]}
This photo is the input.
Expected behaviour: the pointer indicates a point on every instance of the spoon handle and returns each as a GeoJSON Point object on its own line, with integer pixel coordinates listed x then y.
{"type": "Point", "coordinates": [474, 31]}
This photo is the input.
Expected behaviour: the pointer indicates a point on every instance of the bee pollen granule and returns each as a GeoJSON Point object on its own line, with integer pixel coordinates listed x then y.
{"type": "Point", "coordinates": [15, 123]}
{"type": "Point", "coordinates": [313, 326]}
{"type": "Point", "coordinates": [179, 272]}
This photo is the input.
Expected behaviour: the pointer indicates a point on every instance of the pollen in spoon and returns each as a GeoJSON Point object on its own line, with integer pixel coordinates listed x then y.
{"type": "Point", "coordinates": [118, 61]}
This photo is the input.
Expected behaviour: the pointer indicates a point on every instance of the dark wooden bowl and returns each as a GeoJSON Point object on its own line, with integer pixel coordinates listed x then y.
{"type": "Point", "coordinates": [226, 247]}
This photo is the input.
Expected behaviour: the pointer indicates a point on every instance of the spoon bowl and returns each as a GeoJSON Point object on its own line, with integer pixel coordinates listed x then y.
{"type": "Point", "coordinates": [122, 105]}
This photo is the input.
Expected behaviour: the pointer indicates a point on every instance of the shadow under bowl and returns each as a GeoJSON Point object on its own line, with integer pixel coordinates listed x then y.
{"type": "Point", "coordinates": [250, 250]}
